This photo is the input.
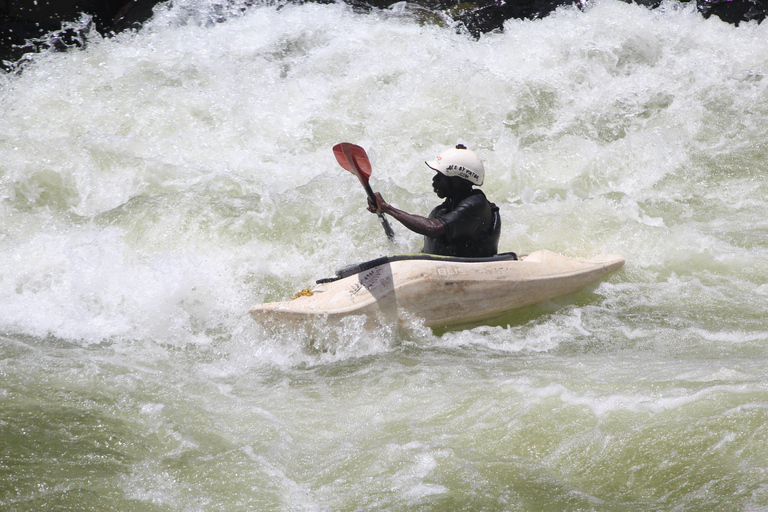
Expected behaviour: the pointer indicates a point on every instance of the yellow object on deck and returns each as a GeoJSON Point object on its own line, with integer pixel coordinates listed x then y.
{"type": "Point", "coordinates": [306, 292]}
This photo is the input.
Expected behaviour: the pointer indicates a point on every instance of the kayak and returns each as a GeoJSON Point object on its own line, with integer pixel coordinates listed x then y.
{"type": "Point", "coordinates": [440, 291]}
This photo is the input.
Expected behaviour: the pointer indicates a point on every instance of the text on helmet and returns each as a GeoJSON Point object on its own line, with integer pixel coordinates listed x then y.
{"type": "Point", "coordinates": [463, 171]}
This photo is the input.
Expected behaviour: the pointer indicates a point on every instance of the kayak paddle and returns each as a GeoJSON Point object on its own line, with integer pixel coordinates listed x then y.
{"type": "Point", "coordinates": [354, 159]}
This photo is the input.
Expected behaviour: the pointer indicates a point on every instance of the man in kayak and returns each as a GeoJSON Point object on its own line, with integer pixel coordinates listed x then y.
{"type": "Point", "coordinates": [466, 224]}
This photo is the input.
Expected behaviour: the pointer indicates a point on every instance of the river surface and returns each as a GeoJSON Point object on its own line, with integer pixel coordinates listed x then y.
{"type": "Point", "coordinates": [155, 185]}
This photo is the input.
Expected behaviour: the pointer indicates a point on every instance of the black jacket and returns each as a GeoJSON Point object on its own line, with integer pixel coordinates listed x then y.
{"type": "Point", "coordinates": [472, 228]}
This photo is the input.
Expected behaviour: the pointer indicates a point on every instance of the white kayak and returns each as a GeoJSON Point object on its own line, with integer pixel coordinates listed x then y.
{"type": "Point", "coordinates": [441, 291]}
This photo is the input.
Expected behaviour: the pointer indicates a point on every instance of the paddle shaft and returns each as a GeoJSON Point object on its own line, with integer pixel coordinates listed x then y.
{"type": "Point", "coordinates": [364, 181]}
{"type": "Point", "coordinates": [382, 218]}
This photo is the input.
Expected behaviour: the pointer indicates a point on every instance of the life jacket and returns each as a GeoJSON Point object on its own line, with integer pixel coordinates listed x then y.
{"type": "Point", "coordinates": [472, 241]}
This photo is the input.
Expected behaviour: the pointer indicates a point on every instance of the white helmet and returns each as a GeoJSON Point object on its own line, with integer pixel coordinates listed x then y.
{"type": "Point", "coordinates": [461, 162]}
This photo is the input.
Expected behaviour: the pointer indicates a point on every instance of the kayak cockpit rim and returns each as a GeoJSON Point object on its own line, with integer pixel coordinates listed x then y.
{"type": "Point", "coordinates": [356, 268]}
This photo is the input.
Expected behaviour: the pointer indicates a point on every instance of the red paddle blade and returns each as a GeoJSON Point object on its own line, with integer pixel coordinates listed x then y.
{"type": "Point", "coordinates": [354, 159]}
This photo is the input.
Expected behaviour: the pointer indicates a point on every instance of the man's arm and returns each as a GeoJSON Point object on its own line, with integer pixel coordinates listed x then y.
{"type": "Point", "coordinates": [432, 228]}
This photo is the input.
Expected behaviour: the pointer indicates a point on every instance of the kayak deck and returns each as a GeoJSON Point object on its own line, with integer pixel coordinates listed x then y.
{"type": "Point", "coordinates": [442, 291]}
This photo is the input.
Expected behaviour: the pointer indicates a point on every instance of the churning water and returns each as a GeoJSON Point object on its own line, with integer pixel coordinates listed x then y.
{"type": "Point", "coordinates": [155, 185]}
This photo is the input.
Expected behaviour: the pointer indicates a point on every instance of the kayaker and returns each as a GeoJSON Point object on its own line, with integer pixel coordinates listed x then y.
{"type": "Point", "coordinates": [466, 224]}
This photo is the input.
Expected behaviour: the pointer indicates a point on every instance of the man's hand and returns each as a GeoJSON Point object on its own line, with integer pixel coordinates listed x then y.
{"type": "Point", "coordinates": [376, 208]}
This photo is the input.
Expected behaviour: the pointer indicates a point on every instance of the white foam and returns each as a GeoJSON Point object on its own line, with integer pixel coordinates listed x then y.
{"type": "Point", "coordinates": [157, 183]}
